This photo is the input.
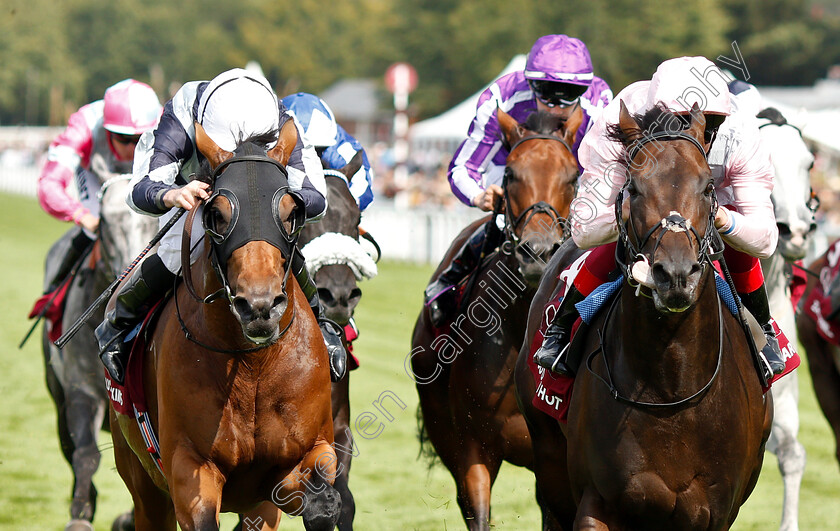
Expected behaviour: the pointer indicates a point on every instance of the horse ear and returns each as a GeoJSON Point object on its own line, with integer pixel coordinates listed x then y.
{"type": "Point", "coordinates": [570, 128]}
{"type": "Point", "coordinates": [355, 164]}
{"type": "Point", "coordinates": [207, 147]}
{"type": "Point", "coordinates": [286, 142]}
{"type": "Point", "coordinates": [510, 127]}
{"type": "Point", "coordinates": [628, 125]}
{"type": "Point", "coordinates": [698, 123]}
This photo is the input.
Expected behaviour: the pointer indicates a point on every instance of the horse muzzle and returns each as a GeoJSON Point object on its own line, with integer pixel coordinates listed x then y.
{"type": "Point", "coordinates": [675, 285]}
{"type": "Point", "coordinates": [260, 316]}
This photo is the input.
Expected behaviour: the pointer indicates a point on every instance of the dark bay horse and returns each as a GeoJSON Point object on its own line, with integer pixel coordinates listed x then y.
{"type": "Point", "coordinates": [241, 404]}
{"type": "Point", "coordinates": [667, 419]}
{"type": "Point", "coordinates": [74, 373]}
{"type": "Point", "coordinates": [823, 356]}
{"type": "Point", "coordinates": [464, 372]}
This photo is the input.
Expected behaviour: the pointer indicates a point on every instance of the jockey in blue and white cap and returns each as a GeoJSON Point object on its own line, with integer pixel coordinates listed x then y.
{"type": "Point", "coordinates": [334, 145]}
{"type": "Point", "coordinates": [558, 77]}
{"type": "Point", "coordinates": [232, 107]}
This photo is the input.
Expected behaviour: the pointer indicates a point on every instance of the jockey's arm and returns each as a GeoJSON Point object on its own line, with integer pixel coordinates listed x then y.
{"type": "Point", "coordinates": [306, 176]}
{"type": "Point", "coordinates": [751, 228]}
{"type": "Point", "coordinates": [70, 150]}
{"type": "Point", "coordinates": [158, 159]}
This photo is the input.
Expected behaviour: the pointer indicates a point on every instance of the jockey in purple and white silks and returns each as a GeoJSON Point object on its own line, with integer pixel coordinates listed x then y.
{"type": "Point", "coordinates": [98, 141]}
{"type": "Point", "coordinates": [335, 146]}
{"type": "Point", "coordinates": [232, 107]}
{"type": "Point", "coordinates": [558, 77]}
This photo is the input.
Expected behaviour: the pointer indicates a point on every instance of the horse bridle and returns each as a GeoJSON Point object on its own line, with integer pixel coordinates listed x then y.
{"type": "Point", "coordinates": [674, 222]}
{"type": "Point", "coordinates": [540, 207]}
{"type": "Point", "coordinates": [220, 248]}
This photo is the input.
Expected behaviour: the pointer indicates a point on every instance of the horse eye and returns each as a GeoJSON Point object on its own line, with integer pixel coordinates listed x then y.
{"type": "Point", "coordinates": [509, 175]}
{"type": "Point", "coordinates": [710, 189]}
{"type": "Point", "coordinates": [632, 190]}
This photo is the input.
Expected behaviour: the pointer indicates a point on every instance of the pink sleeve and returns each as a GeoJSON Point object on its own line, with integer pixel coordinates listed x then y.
{"type": "Point", "coordinates": [592, 213]}
{"type": "Point", "coordinates": [69, 150]}
{"type": "Point", "coordinates": [752, 228]}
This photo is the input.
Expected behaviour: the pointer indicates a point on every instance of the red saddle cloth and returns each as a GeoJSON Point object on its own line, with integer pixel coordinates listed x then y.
{"type": "Point", "coordinates": [818, 304]}
{"type": "Point", "coordinates": [130, 399]}
{"type": "Point", "coordinates": [351, 333]}
{"type": "Point", "coordinates": [554, 391]}
{"type": "Point", "coordinates": [53, 302]}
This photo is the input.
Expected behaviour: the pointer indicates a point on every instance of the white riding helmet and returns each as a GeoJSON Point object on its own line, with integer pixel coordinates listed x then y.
{"type": "Point", "coordinates": [681, 82]}
{"type": "Point", "coordinates": [236, 105]}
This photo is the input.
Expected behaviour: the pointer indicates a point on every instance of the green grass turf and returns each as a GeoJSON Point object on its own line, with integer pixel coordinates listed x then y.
{"type": "Point", "coordinates": [393, 489]}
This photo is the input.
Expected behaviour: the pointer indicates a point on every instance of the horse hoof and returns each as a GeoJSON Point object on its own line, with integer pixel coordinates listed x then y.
{"type": "Point", "coordinates": [78, 525]}
{"type": "Point", "coordinates": [322, 511]}
{"type": "Point", "coordinates": [124, 522]}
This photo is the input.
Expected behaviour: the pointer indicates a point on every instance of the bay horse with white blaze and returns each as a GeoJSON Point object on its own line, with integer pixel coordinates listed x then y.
{"type": "Point", "coordinates": [667, 418]}
{"type": "Point", "coordinates": [464, 372]}
{"type": "Point", "coordinates": [236, 378]}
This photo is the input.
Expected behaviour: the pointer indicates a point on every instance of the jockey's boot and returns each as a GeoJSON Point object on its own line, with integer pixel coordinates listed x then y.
{"type": "Point", "coordinates": [440, 295]}
{"type": "Point", "coordinates": [553, 353]}
{"type": "Point", "coordinates": [134, 300]}
{"type": "Point", "coordinates": [756, 303]}
{"type": "Point", "coordinates": [329, 328]}
{"type": "Point", "coordinates": [80, 243]}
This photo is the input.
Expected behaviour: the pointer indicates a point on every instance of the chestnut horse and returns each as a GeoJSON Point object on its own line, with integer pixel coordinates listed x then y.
{"type": "Point", "coordinates": [667, 420]}
{"type": "Point", "coordinates": [464, 373]}
{"type": "Point", "coordinates": [823, 356]}
{"type": "Point", "coordinates": [237, 384]}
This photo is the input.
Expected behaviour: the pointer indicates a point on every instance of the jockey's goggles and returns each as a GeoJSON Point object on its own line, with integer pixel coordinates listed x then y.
{"type": "Point", "coordinates": [125, 139]}
{"type": "Point", "coordinates": [555, 94]}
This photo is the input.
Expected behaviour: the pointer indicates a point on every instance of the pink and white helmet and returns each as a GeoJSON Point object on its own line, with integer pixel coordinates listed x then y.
{"type": "Point", "coordinates": [681, 82]}
{"type": "Point", "coordinates": [131, 108]}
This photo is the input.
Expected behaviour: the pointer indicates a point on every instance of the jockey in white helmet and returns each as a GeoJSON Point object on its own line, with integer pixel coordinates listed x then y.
{"type": "Point", "coordinates": [230, 108]}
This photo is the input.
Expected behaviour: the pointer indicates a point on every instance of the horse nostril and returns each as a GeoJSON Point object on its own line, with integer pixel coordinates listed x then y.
{"type": "Point", "coordinates": [525, 254]}
{"type": "Point", "coordinates": [784, 229]}
{"type": "Point", "coordinates": [242, 307]}
{"type": "Point", "coordinates": [326, 296]}
{"type": "Point", "coordinates": [278, 300]}
{"type": "Point", "coordinates": [661, 277]}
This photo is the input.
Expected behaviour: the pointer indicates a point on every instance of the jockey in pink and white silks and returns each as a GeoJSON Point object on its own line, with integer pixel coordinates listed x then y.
{"type": "Point", "coordinates": [99, 139]}
{"type": "Point", "coordinates": [558, 77]}
{"type": "Point", "coordinates": [231, 108]}
{"type": "Point", "coordinates": [743, 181]}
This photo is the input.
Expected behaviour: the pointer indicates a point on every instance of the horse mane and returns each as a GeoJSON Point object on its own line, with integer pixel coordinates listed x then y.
{"type": "Point", "coordinates": [656, 120]}
{"type": "Point", "coordinates": [543, 123]}
{"type": "Point", "coordinates": [773, 114]}
{"type": "Point", "coordinates": [256, 144]}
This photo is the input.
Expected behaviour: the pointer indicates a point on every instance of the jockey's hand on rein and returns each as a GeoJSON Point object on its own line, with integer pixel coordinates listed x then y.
{"type": "Point", "coordinates": [185, 196]}
{"type": "Point", "coordinates": [487, 198]}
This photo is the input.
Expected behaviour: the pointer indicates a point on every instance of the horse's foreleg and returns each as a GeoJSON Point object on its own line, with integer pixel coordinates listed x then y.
{"type": "Point", "coordinates": [266, 517]}
{"type": "Point", "coordinates": [474, 478]}
{"type": "Point", "coordinates": [307, 490]}
{"type": "Point", "coordinates": [84, 415]}
{"type": "Point", "coordinates": [591, 515]}
{"type": "Point", "coordinates": [788, 450]}
{"type": "Point", "coordinates": [152, 507]}
{"type": "Point", "coordinates": [343, 451]}
{"type": "Point", "coordinates": [196, 489]}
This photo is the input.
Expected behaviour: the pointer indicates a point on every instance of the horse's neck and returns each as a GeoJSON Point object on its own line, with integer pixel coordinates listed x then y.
{"type": "Point", "coordinates": [677, 349]}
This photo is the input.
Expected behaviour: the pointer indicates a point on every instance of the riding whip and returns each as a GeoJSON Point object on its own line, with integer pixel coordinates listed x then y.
{"type": "Point", "coordinates": [68, 335]}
